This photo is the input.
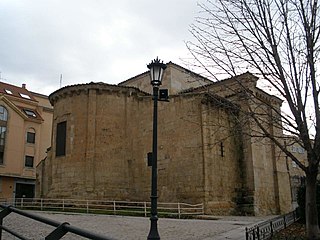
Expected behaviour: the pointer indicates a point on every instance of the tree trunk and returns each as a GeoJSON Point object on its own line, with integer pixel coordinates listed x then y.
{"type": "Point", "coordinates": [312, 226]}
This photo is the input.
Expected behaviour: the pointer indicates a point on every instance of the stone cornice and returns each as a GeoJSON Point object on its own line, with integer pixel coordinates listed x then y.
{"type": "Point", "coordinates": [267, 97]}
{"type": "Point", "coordinates": [220, 102]}
{"type": "Point", "coordinates": [99, 87]}
{"type": "Point", "coordinates": [242, 79]}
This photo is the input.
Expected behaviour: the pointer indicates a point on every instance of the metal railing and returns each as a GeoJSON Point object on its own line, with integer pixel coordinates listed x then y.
{"type": "Point", "coordinates": [179, 210]}
{"type": "Point", "coordinates": [267, 229]}
{"type": "Point", "coordinates": [60, 230]}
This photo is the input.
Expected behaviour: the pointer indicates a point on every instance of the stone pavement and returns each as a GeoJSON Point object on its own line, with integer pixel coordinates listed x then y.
{"type": "Point", "coordinates": [136, 228]}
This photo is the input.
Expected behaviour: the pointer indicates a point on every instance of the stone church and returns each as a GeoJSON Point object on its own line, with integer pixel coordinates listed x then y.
{"type": "Point", "coordinates": [102, 134]}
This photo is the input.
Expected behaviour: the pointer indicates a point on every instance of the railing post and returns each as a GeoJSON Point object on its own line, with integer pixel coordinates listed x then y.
{"type": "Point", "coordinates": [284, 222]}
{"type": "Point", "coordinates": [254, 233]}
{"type": "Point", "coordinates": [21, 203]}
{"type": "Point", "coordinates": [145, 209]}
{"type": "Point", "coordinates": [271, 228]}
{"type": "Point", "coordinates": [114, 207]}
{"type": "Point", "coordinates": [247, 235]}
{"type": "Point", "coordinates": [87, 206]}
{"type": "Point", "coordinates": [179, 212]}
{"type": "Point", "coordinates": [41, 204]}
{"type": "Point", "coordinates": [258, 233]}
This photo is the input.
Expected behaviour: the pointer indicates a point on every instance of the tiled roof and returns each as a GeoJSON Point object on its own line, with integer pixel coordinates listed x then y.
{"type": "Point", "coordinates": [205, 87]}
{"type": "Point", "coordinates": [168, 64]}
{"type": "Point", "coordinates": [19, 92]}
{"type": "Point", "coordinates": [93, 85]}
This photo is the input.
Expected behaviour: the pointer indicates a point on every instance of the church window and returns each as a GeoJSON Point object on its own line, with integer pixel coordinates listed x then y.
{"type": "Point", "coordinates": [221, 149]}
{"type": "Point", "coordinates": [61, 139]}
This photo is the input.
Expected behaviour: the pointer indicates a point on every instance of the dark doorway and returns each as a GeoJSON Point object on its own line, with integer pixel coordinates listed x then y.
{"type": "Point", "coordinates": [24, 190]}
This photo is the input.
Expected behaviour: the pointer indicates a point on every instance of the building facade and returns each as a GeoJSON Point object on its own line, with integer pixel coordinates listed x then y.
{"type": "Point", "coordinates": [102, 134]}
{"type": "Point", "coordinates": [25, 135]}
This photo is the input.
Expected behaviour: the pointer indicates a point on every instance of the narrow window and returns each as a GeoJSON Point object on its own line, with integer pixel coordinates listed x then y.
{"type": "Point", "coordinates": [3, 131]}
{"type": "Point", "coordinates": [29, 161]}
{"type": "Point", "coordinates": [1, 157]}
{"type": "Point", "coordinates": [61, 139]}
{"type": "Point", "coordinates": [2, 143]}
{"type": "Point", "coordinates": [31, 136]}
{"type": "Point", "coordinates": [221, 149]}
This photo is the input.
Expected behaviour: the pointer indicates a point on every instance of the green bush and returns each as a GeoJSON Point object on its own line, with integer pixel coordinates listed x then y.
{"type": "Point", "coordinates": [301, 199]}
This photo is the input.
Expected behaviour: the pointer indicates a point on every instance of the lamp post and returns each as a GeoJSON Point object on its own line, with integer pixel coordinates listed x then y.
{"type": "Point", "coordinates": [156, 72]}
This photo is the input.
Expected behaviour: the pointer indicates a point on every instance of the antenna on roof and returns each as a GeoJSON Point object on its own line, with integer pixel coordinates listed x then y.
{"type": "Point", "coordinates": [60, 80]}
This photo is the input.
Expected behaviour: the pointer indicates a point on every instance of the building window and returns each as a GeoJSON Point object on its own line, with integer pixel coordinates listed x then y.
{"type": "Point", "coordinates": [61, 139]}
{"type": "Point", "coordinates": [31, 136]}
{"type": "Point", "coordinates": [3, 131]}
{"type": "Point", "coordinates": [8, 91]}
{"type": "Point", "coordinates": [294, 164]}
{"type": "Point", "coordinates": [25, 96]}
{"type": "Point", "coordinates": [29, 161]}
{"type": "Point", "coordinates": [1, 157]}
{"type": "Point", "coordinates": [298, 149]}
{"type": "Point", "coordinates": [3, 114]}
{"type": "Point", "coordinates": [30, 113]}
{"type": "Point", "coordinates": [221, 149]}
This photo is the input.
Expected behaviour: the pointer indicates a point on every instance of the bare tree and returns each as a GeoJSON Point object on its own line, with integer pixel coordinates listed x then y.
{"type": "Point", "coordinates": [279, 41]}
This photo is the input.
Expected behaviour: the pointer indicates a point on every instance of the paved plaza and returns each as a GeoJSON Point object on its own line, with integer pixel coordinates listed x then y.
{"type": "Point", "coordinates": [136, 228]}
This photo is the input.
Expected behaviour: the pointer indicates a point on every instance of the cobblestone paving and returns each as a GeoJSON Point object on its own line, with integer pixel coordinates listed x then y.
{"type": "Point", "coordinates": [130, 228]}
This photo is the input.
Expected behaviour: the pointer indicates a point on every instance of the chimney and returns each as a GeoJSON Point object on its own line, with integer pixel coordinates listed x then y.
{"type": "Point", "coordinates": [24, 85]}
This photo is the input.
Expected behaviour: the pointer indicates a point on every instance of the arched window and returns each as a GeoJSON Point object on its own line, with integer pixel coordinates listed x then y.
{"type": "Point", "coordinates": [3, 131]}
{"type": "Point", "coordinates": [31, 136]}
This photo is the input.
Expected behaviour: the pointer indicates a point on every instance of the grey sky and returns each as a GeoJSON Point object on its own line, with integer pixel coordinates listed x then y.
{"type": "Point", "coordinates": [89, 40]}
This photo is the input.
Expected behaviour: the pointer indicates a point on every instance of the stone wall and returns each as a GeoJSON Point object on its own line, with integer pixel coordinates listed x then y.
{"type": "Point", "coordinates": [223, 166]}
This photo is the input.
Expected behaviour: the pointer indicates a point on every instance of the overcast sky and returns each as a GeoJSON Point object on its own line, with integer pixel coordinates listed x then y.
{"type": "Point", "coordinates": [89, 40]}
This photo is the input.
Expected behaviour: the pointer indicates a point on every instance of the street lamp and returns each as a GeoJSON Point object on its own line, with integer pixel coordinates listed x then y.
{"type": "Point", "coordinates": [156, 73]}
